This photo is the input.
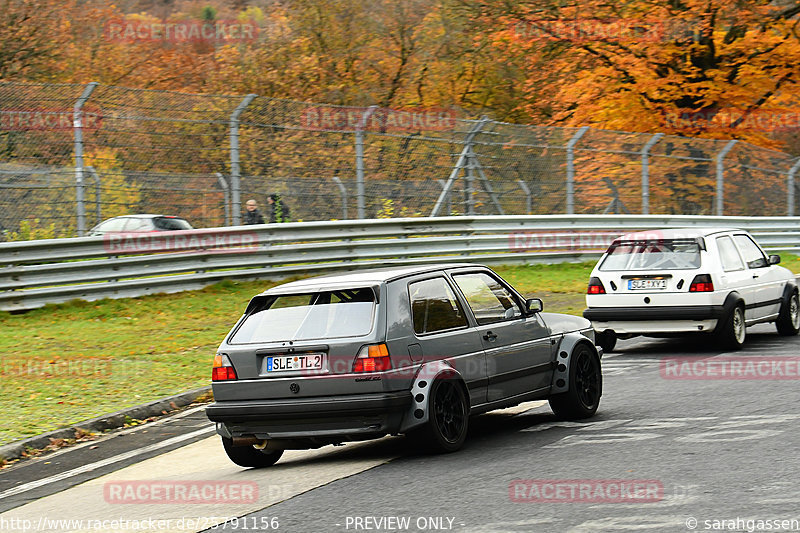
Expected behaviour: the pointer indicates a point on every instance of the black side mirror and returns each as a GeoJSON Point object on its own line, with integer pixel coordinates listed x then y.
{"type": "Point", "coordinates": [774, 259]}
{"type": "Point", "coordinates": [533, 306]}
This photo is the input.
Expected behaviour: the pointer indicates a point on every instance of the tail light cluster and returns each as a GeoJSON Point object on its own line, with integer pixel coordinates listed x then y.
{"type": "Point", "coordinates": [223, 369]}
{"type": "Point", "coordinates": [372, 358]}
{"type": "Point", "coordinates": [595, 286]}
{"type": "Point", "coordinates": [702, 283]}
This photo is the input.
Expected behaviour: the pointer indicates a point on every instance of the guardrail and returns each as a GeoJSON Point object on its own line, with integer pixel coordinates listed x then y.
{"type": "Point", "coordinates": [34, 273]}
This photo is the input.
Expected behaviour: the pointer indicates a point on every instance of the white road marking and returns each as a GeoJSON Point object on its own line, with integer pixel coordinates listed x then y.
{"type": "Point", "coordinates": [25, 487]}
{"type": "Point", "coordinates": [297, 472]}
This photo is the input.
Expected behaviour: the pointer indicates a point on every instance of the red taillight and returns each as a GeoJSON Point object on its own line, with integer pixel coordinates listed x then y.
{"type": "Point", "coordinates": [223, 369]}
{"type": "Point", "coordinates": [702, 283]}
{"type": "Point", "coordinates": [595, 286]}
{"type": "Point", "coordinates": [373, 358]}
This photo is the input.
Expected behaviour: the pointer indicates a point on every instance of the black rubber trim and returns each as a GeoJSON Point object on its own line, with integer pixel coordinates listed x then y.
{"type": "Point", "coordinates": [764, 304]}
{"type": "Point", "coordinates": [695, 312]}
{"type": "Point", "coordinates": [320, 406]}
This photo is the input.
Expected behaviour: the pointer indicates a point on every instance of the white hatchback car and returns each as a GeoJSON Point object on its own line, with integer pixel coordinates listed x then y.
{"type": "Point", "coordinates": [671, 282]}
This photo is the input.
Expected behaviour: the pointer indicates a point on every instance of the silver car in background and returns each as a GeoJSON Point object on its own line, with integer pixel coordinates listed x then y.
{"type": "Point", "coordinates": [412, 350]}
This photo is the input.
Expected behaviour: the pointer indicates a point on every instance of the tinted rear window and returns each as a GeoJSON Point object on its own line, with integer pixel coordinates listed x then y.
{"type": "Point", "coordinates": [653, 255]}
{"type": "Point", "coordinates": [171, 224]}
{"type": "Point", "coordinates": [308, 316]}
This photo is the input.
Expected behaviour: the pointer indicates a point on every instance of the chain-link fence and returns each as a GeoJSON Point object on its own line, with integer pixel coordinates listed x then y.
{"type": "Point", "coordinates": [73, 155]}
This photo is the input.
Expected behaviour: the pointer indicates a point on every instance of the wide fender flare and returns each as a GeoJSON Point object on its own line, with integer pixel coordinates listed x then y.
{"type": "Point", "coordinates": [566, 348]}
{"type": "Point", "coordinates": [788, 289]}
{"type": "Point", "coordinates": [417, 414]}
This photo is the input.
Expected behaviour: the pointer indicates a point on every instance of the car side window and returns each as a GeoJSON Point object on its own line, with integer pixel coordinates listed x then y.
{"type": "Point", "coordinates": [115, 224]}
{"type": "Point", "coordinates": [136, 224]}
{"type": "Point", "coordinates": [489, 300]}
{"type": "Point", "coordinates": [750, 252]}
{"type": "Point", "coordinates": [728, 255]}
{"type": "Point", "coordinates": [434, 306]}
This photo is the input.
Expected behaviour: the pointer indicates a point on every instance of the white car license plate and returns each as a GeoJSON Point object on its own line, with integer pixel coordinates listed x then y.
{"type": "Point", "coordinates": [304, 361]}
{"type": "Point", "coordinates": [642, 284]}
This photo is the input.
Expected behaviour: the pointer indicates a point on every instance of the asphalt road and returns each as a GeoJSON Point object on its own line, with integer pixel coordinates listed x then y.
{"type": "Point", "coordinates": [664, 453]}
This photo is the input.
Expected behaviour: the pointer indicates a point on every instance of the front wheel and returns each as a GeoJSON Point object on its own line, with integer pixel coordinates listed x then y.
{"type": "Point", "coordinates": [448, 418]}
{"type": "Point", "coordinates": [788, 322]}
{"type": "Point", "coordinates": [585, 387]}
{"type": "Point", "coordinates": [732, 333]}
{"type": "Point", "coordinates": [249, 457]}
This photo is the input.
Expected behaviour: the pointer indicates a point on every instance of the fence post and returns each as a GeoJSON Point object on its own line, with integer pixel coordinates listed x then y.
{"type": "Point", "coordinates": [571, 169]}
{"type": "Point", "coordinates": [362, 123]}
{"type": "Point", "coordinates": [97, 192]}
{"type": "Point", "coordinates": [449, 206]}
{"type": "Point", "coordinates": [236, 186]}
{"type": "Point", "coordinates": [463, 159]}
{"type": "Point", "coordinates": [527, 191]}
{"type": "Point", "coordinates": [226, 191]}
{"type": "Point", "coordinates": [77, 126]}
{"type": "Point", "coordinates": [721, 176]}
{"type": "Point", "coordinates": [343, 194]}
{"type": "Point", "coordinates": [790, 188]}
{"type": "Point", "coordinates": [646, 172]}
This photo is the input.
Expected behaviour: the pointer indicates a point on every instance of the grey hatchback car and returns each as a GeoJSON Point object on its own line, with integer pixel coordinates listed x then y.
{"type": "Point", "coordinates": [412, 350]}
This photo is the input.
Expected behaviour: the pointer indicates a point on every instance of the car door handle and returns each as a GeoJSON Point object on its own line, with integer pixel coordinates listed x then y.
{"type": "Point", "coordinates": [490, 336]}
{"type": "Point", "coordinates": [755, 276]}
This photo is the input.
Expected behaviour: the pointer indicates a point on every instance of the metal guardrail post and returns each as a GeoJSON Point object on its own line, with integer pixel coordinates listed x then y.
{"type": "Point", "coordinates": [721, 176]}
{"type": "Point", "coordinates": [571, 169]}
{"type": "Point", "coordinates": [449, 206]}
{"type": "Point", "coordinates": [226, 191]}
{"type": "Point", "coordinates": [646, 172]}
{"type": "Point", "coordinates": [527, 191]}
{"type": "Point", "coordinates": [790, 188]}
{"type": "Point", "coordinates": [236, 185]}
{"type": "Point", "coordinates": [77, 127]}
{"type": "Point", "coordinates": [97, 192]}
{"type": "Point", "coordinates": [343, 193]}
{"type": "Point", "coordinates": [362, 123]}
{"type": "Point", "coordinates": [463, 159]}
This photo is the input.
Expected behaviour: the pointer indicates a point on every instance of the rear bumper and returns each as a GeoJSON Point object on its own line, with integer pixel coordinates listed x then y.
{"type": "Point", "coordinates": [331, 417]}
{"type": "Point", "coordinates": [639, 314]}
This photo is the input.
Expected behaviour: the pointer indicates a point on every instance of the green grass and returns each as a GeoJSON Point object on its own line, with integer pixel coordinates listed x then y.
{"type": "Point", "coordinates": [65, 363]}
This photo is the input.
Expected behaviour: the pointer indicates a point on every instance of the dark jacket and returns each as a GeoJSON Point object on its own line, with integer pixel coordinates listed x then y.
{"type": "Point", "coordinates": [253, 217]}
{"type": "Point", "coordinates": [280, 211]}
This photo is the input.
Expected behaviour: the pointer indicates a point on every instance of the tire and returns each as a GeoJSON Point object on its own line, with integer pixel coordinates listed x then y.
{"type": "Point", "coordinates": [607, 340]}
{"type": "Point", "coordinates": [585, 387]}
{"type": "Point", "coordinates": [788, 322]}
{"type": "Point", "coordinates": [733, 330]}
{"type": "Point", "coordinates": [448, 418]}
{"type": "Point", "coordinates": [249, 457]}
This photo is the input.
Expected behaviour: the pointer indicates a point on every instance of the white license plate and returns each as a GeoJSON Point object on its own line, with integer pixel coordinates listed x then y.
{"type": "Point", "coordinates": [285, 363]}
{"type": "Point", "coordinates": [643, 284]}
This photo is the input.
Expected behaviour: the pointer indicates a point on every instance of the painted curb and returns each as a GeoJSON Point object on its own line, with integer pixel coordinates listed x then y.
{"type": "Point", "coordinates": [116, 420]}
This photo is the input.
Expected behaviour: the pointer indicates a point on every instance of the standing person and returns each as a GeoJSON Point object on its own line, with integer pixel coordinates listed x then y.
{"type": "Point", "coordinates": [253, 215]}
{"type": "Point", "coordinates": [280, 211]}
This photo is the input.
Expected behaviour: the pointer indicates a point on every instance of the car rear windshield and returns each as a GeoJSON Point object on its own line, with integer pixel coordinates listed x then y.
{"type": "Point", "coordinates": [308, 316]}
{"type": "Point", "coordinates": [653, 255]}
{"type": "Point", "coordinates": [171, 224]}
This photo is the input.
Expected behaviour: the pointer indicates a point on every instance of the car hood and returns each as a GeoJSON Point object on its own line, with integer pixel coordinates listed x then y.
{"type": "Point", "coordinates": [560, 323]}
